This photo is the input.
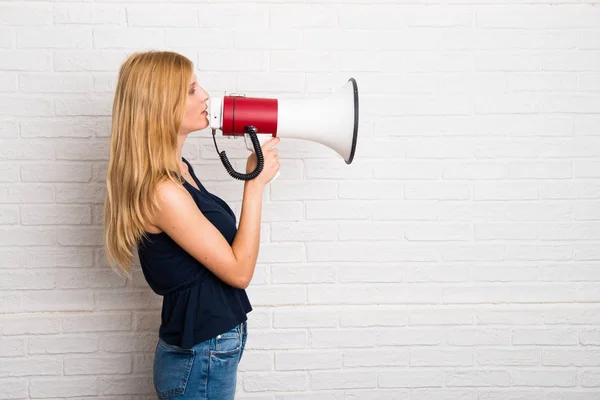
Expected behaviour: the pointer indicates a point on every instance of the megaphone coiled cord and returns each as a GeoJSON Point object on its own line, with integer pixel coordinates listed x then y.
{"type": "Point", "coordinates": [257, 150]}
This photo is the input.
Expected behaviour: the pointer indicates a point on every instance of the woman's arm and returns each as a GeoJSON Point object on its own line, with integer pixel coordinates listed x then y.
{"type": "Point", "coordinates": [247, 239]}
{"type": "Point", "coordinates": [181, 219]}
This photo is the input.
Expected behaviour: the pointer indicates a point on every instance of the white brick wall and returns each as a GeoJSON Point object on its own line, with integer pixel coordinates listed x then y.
{"type": "Point", "coordinates": [457, 258]}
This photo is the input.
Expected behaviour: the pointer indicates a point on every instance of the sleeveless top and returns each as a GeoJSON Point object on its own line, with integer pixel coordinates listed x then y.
{"type": "Point", "coordinates": [197, 305]}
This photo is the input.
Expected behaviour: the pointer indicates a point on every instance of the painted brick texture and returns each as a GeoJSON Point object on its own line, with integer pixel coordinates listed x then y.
{"type": "Point", "coordinates": [457, 258]}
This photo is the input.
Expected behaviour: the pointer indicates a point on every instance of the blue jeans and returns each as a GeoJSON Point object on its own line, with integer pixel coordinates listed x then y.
{"type": "Point", "coordinates": [207, 371]}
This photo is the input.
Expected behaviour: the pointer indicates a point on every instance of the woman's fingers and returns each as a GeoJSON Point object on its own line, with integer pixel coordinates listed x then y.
{"type": "Point", "coordinates": [271, 143]}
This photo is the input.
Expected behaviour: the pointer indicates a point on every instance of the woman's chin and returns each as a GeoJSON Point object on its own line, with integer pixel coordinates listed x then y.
{"type": "Point", "coordinates": [201, 126]}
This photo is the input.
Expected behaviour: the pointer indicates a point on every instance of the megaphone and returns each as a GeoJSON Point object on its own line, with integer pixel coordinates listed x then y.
{"type": "Point", "coordinates": [331, 121]}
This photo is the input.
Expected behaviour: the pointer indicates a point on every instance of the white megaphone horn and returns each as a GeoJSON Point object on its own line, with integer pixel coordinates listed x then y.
{"type": "Point", "coordinates": [331, 121]}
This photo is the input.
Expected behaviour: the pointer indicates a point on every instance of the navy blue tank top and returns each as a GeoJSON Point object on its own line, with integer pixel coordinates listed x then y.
{"type": "Point", "coordinates": [197, 305]}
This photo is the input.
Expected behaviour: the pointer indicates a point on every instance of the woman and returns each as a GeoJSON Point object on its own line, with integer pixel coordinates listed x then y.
{"type": "Point", "coordinates": [190, 250]}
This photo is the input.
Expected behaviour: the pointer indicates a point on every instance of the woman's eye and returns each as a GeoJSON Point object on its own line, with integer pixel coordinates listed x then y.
{"type": "Point", "coordinates": [192, 91]}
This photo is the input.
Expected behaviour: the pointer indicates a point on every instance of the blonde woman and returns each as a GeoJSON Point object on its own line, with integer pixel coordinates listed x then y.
{"type": "Point", "coordinates": [189, 247]}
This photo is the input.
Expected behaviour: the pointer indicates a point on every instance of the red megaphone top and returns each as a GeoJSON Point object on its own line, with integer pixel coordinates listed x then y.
{"type": "Point", "coordinates": [239, 112]}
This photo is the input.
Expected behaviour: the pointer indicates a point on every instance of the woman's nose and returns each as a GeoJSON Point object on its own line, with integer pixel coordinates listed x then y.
{"type": "Point", "coordinates": [205, 95]}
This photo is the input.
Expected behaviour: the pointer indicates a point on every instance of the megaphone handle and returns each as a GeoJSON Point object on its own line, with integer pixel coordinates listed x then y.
{"type": "Point", "coordinates": [249, 146]}
{"type": "Point", "coordinates": [249, 142]}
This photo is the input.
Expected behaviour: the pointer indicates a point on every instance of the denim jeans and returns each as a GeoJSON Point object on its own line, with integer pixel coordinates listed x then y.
{"type": "Point", "coordinates": [207, 371]}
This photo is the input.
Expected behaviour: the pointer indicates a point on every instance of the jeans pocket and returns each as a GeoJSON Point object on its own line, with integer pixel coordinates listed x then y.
{"type": "Point", "coordinates": [172, 368]}
{"type": "Point", "coordinates": [227, 344]}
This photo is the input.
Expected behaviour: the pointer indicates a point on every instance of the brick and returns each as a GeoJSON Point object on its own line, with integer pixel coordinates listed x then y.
{"type": "Point", "coordinates": [154, 15]}
{"type": "Point", "coordinates": [15, 388]}
{"type": "Point", "coordinates": [127, 343]}
{"type": "Point", "coordinates": [29, 324]}
{"type": "Point", "coordinates": [261, 381]}
{"type": "Point", "coordinates": [278, 339]}
{"type": "Point", "coordinates": [52, 215]}
{"type": "Point", "coordinates": [508, 357]}
{"type": "Point", "coordinates": [383, 294]}
{"type": "Point", "coordinates": [257, 361]}
{"type": "Point", "coordinates": [410, 336]}
{"type": "Point", "coordinates": [54, 38]}
{"type": "Point", "coordinates": [8, 80]}
{"type": "Point", "coordinates": [547, 337]}
{"type": "Point", "coordinates": [12, 347]}
{"type": "Point", "coordinates": [375, 358]}
{"type": "Point", "coordinates": [301, 360]}
{"type": "Point", "coordinates": [63, 344]}
{"type": "Point", "coordinates": [300, 273]}
{"type": "Point", "coordinates": [88, 60]}
{"type": "Point", "coordinates": [278, 295]}
{"type": "Point", "coordinates": [223, 16]}
{"type": "Point", "coordinates": [320, 380]}
{"type": "Point", "coordinates": [270, 82]}
{"type": "Point", "coordinates": [478, 378]}
{"type": "Point", "coordinates": [479, 337]}
{"type": "Point", "coordinates": [272, 39]}
{"type": "Point", "coordinates": [28, 280]}
{"type": "Point", "coordinates": [77, 365]}
{"type": "Point", "coordinates": [121, 38]}
{"type": "Point", "coordinates": [88, 14]}
{"type": "Point", "coordinates": [96, 322]}
{"type": "Point", "coordinates": [26, 14]}
{"type": "Point", "coordinates": [441, 358]}
{"type": "Point", "coordinates": [34, 365]}
{"type": "Point", "coordinates": [77, 386]}
{"type": "Point", "coordinates": [8, 129]}
{"type": "Point", "coordinates": [54, 83]}
{"type": "Point", "coordinates": [197, 38]}
{"type": "Point", "coordinates": [229, 60]}
{"type": "Point", "coordinates": [545, 378]}
{"type": "Point", "coordinates": [405, 378]}
{"type": "Point", "coordinates": [305, 317]}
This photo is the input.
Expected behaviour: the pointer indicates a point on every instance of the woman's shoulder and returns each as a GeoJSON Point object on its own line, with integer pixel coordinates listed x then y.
{"type": "Point", "coordinates": [168, 189]}
{"type": "Point", "coordinates": [168, 195]}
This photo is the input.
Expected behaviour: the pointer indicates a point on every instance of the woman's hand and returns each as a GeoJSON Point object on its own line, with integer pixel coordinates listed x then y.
{"type": "Point", "coordinates": [271, 164]}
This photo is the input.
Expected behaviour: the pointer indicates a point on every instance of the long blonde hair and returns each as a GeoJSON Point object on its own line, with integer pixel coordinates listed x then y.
{"type": "Point", "coordinates": [148, 108]}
